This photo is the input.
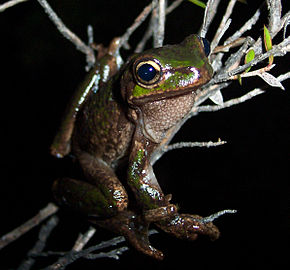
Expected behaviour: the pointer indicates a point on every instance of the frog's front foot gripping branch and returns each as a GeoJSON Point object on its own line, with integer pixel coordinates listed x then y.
{"type": "Point", "coordinates": [184, 226]}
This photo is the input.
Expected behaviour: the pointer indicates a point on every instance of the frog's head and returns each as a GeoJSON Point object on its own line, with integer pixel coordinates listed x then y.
{"type": "Point", "coordinates": [167, 71]}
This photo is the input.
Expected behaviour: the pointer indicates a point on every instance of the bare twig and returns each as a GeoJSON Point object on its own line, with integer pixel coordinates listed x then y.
{"type": "Point", "coordinates": [159, 37]}
{"type": "Point", "coordinates": [49, 210]}
{"type": "Point", "coordinates": [210, 11]}
{"type": "Point", "coordinates": [68, 34]}
{"type": "Point", "coordinates": [113, 254]}
{"type": "Point", "coordinates": [192, 144]}
{"type": "Point", "coordinates": [44, 233]}
{"type": "Point", "coordinates": [216, 215]}
{"type": "Point", "coordinates": [224, 25]}
{"type": "Point", "coordinates": [83, 239]}
{"type": "Point", "coordinates": [247, 26]}
{"type": "Point", "coordinates": [10, 4]}
{"type": "Point", "coordinates": [141, 17]}
{"type": "Point", "coordinates": [86, 253]}
{"type": "Point", "coordinates": [277, 50]}
{"type": "Point", "coordinates": [229, 103]}
{"type": "Point", "coordinates": [275, 10]}
{"type": "Point", "coordinates": [173, 6]}
{"type": "Point", "coordinates": [140, 46]}
{"type": "Point", "coordinates": [72, 256]}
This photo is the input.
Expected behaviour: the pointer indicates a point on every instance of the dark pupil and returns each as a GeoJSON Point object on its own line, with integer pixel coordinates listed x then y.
{"type": "Point", "coordinates": [206, 46]}
{"type": "Point", "coordinates": [146, 72]}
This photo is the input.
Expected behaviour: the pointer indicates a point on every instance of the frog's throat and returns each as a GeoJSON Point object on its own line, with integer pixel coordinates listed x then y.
{"type": "Point", "coordinates": [145, 132]}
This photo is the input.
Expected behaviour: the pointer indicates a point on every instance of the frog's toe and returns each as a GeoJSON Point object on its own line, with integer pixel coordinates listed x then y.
{"type": "Point", "coordinates": [135, 229]}
{"type": "Point", "coordinates": [136, 233]}
{"type": "Point", "coordinates": [142, 244]}
{"type": "Point", "coordinates": [185, 226]}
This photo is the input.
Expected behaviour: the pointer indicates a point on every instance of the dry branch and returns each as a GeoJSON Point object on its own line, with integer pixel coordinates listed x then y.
{"type": "Point", "coordinates": [44, 213]}
{"type": "Point", "coordinates": [9, 4]}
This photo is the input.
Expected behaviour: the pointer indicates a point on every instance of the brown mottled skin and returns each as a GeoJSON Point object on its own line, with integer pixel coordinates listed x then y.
{"type": "Point", "coordinates": [114, 126]}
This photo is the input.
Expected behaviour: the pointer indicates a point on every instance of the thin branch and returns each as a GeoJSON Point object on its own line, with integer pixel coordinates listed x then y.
{"type": "Point", "coordinates": [148, 34]}
{"type": "Point", "coordinates": [277, 50]}
{"type": "Point", "coordinates": [284, 77]}
{"type": "Point", "coordinates": [247, 26]}
{"type": "Point", "coordinates": [231, 102]}
{"type": "Point", "coordinates": [285, 22]}
{"type": "Point", "coordinates": [209, 13]}
{"type": "Point", "coordinates": [72, 256]}
{"type": "Point", "coordinates": [49, 210]}
{"type": "Point", "coordinates": [173, 6]}
{"type": "Point", "coordinates": [158, 39]}
{"type": "Point", "coordinates": [68, 34]}
{"type": "Point", "coordinates": [192, 144]}
{"type": "Point", "coordinates": [10, 4]}
{"type": "Point", "coordinates": [224, 25]}
{"type": "Point", "coordinates": [83, 239]}
{"type": "Point", "coordinates": [216, 215]}
{"type": "Point", "coordinates": [113, 254]}
{"type": "Point", "coordinates": [225, 48]}
{"type": "Point", "coordinates": [275, 10]}
{"type": "Point", "coordinates": [138, 21]}
{"type": "Point", "coordinates": [44, 233]}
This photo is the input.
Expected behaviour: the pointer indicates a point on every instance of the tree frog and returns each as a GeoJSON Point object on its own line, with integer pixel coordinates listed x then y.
{"type": "Point", "coordinates": [122, 116]}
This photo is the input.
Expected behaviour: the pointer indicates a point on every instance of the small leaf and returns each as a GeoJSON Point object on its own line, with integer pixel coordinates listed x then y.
{"type": "Point", "coordinates": [198, 3]}
{"type": "Point", "coordinates": [240, 79]}
{"type": "Point", "coordinates": [217, 98]}
{"type": "Point", "coordinates": [268, 43]}
{"type": "Point", "coordinates": [271, 80]}
{"type": "Point", "coordinates": [249, 57]}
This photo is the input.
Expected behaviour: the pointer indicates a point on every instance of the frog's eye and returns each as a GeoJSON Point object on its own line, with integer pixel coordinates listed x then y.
{"type": "Point", "coordinates": [147, 73]}
{"type": "Point", "coordinates": [206, 46]}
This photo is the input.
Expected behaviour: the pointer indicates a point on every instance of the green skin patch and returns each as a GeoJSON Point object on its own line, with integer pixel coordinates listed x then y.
{"type": "Point", "coordinates": [181, 65]}
{"type": "Point", "coordinates": [146, 194]}
{"type": "Point", "coordinates": [176, 81]}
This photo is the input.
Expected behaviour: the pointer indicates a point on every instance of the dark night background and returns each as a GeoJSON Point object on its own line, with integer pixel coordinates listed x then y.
{"type": "Point", "coordinates": [39, 72]}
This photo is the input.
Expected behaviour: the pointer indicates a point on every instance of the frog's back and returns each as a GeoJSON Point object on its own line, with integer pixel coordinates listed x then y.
{"type": "Point", "coordinates": [102, 128]}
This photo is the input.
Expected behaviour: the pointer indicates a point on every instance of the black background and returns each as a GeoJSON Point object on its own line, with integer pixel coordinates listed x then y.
{"type": "Point", "coordinates": [39, 72]}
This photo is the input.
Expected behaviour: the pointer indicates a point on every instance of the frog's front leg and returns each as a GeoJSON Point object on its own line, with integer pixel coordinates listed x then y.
{"type": "Point", "coordinates": [188, 227]}
{"type": "Point", "coordinates": [150, 196]}
{"type": "Point", "coordinates": [141, 177]}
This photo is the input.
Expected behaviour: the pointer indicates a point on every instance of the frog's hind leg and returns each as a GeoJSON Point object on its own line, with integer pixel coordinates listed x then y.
{"type": "Point", "coordinates": [104, 200]}
{"type": "Point", "coordinates": [127, 223]}
{"type": "Point", "coordinates": [83, 197]}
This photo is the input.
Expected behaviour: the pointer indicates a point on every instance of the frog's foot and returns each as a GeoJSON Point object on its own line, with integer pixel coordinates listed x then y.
{"type": "Point", "coordinates": [185, 226]}
{"type": "Point", "coordinates": [134, 228]}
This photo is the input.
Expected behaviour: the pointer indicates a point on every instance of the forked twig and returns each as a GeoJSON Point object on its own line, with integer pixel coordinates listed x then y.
{"type": "Point", "coordinates": [68, 34]}
{"type": "Point", "coordinates": [44, 233]}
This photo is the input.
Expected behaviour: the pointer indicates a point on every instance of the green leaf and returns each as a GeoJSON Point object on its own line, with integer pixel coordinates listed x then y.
{"type": "Point", "coordinates": [268, 43]}
{"type": "Point", "coordinates": [198, 3]}
{"type": "Point", "coordinates": [249, 57]}
{"type": "Point", "coordinates": [240, 79]}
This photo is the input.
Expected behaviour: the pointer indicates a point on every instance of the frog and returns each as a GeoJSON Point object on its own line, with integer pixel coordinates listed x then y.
{"type": "Point", "coordinates": [122, 116]}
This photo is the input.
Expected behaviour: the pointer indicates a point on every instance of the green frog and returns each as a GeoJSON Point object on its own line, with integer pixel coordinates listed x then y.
{"type": "Point", "coordinates": [123, 115]}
